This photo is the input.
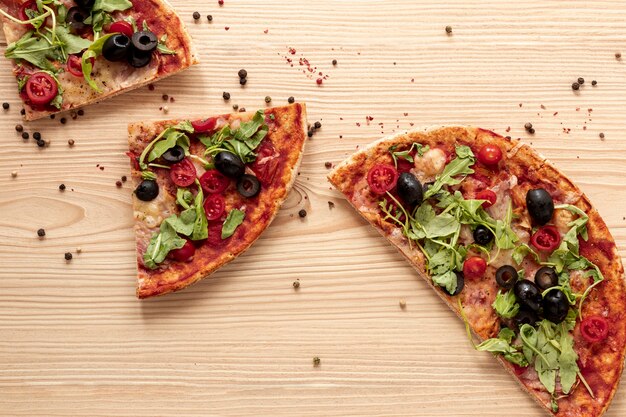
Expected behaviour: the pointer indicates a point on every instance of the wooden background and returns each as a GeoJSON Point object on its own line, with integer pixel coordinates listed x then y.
{"type": "Point", "coordinates": [74, 341]}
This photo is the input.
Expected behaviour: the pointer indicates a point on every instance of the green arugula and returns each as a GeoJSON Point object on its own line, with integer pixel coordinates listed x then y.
{"type": "Point", "coordinates": [505, 236]}
{"type": "Point", "coordinates": [241, 141]}
{"type": "Point", "coordinates": [162, 46]}
{"type": "Point", "coordinates": [167, 139]}
{"type": "Point", "coordinates": [523, 250]}
{"type": "Point", "coordinates": [460, 166]}
{"type": "Point", "coordinates": [233, 220]}
{"type": "Point", "coordinates": [184, 197]}
{"type": "Point", "coordinates": [406, 155]}
{"type": "Point", "coordinates": [161, 244]}
{"type": "Point", "coordinates": [93, 51]}
{"type": "Point", "coordinates": [200, 229]}
{"type": "Point", "coordinates": [506, 305]}
{"type": "Point", "coordinates": [501, 345]}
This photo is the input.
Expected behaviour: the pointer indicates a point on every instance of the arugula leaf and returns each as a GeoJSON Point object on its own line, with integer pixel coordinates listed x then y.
{"type": "Point", "coordinates": [217, 138]}
{"type": "Point", "coordinates": [171, 139]}
{"type": "Point", "coordinates": [175, 139]}
{"type": "Point", "coordinates": [201, 225]}
{"type": "Point", "coordinates": [521, 251]}
{"type": "Point", "coordinates": [70, 43]}
{"type": "Point", "coordinates": [148, 175]}
{"type": "Point", "coordinates": [184, 223]}
{"type": "Point", "coordinates": [247, 129]}
{"type": "Point", "coordinates": [162, 46]}
{"type": "Point", "coordinates": [441, 226]}
{"type": "Point", "coordinates": [32, 49]}
{"type": "Point", "coordinates": [568, 368]}
{"type": "Point", "coordinates": [458, 166]}
{"type": "Point", "coordinates": [112, 5]}
{"type": "Point", "coordinates": [506, 305]}
{"type": "Point", "coordinates": [447, 280]}
{"type": "Point", "coordinates": [419, 148]}
{"type": "Point", "coordinates": [233, 220]}
{"type": "Point", "coordinates": [505, 236]}
{"type": "Point", "coordinates": [501, 345]}
{"type": "Point", "coordinates": [93, 51]}
{"type": "Point", "coordinates": [161, 243]}
{"type": "Point", "coordinates": [184, 197]}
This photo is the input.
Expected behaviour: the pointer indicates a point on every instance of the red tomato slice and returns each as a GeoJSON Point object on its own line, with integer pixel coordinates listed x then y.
{"type": "Point", "coordinates": [594, 329]}
{"type": "Point", "coordinates": [203, 126]}
{"type": "Point", "coordinates": [122, 26]}
{"type": "Point", "coordinates": [30, 5]}
{"type": "Point", "coordinates": [266, 163]}
{"type": "Point", "coordinates": [546, 238]}
{"type": "Point", "coordinates": [214, 182]}
{"type": "Point", "coordinates": [487, 195]}
{"type": "Point", "coordinates": [382, 178]}
{"type": "Point", "coordinates": [41, 88]}
{"type": "Point", "coordinates": [74, 65]}
{"type": "Point", "coordinates": [183, 254]}
{"type": "Point", "coordinates": [183, 174]}
{"type": "Point", "coordinates": [214, 207]}
{"type": "Point", "coordinates": [489, 155]}
{"type": "Point", "coordinates": [474, 267]}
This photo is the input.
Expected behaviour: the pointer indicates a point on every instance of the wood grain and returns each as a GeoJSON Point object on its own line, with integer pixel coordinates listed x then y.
{"type": "Point", "coordinates": [75, 341]}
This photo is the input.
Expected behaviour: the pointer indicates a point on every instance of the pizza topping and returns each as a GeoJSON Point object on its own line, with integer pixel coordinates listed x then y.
{"type": "Point", "coordinates": [233, 220]}
{"type": "Point", "coordinates": [528, 294]}
{"type": "Point", "coordinates": [41, 88]}
{"type": "Point", "coordinates": [174, 155]}
{"type": "Point", "coordinates": [474, 267]}
{"type": "Point", "coordinates": [525, 316]}
{"type": "Point", "coordinates": [594, 329]}
{"type": "Point", "coordinates": [540, 205]}
{"type": "Point", "coordinates": [382, 178]}
{"type": "Point", "coordinates": [410, 189]}
{"type": "Point", "coordinates": [88, 4]}
{"type": "Point", "coordinates": [555, 306]}
{"type": "Point", "coordinates": [546, 277]}
{"type": "Point", "coordinates": [116, 47]}
{"type": "Point", "coordinates": [482, 235]}
{"type": "Point", "coordinates": [204, 126]}
{"type": "Point", "coordinates": [460, 284]}
{"type": "Point", "coordinates": [266, 163]}
{"type": "Point", "coordinates": [172, 136]}
{"type": "Point", "coordinates": [229, 164]}
{"type": "Point", "coordinates": [214, 207]}
{"type": "Point", "coordinates": [489, 196]}
{"type": "Point", "coordinates": [144, 41]}
{"type": "Point", "coordinates": [138, 59]}
{"type": "Point", "coordinates": [74, 66]}
{"type": "Point", "coordinates": [248, 186]}
{"type": "Point", "coordinates": [407, 155]}
{"type": "Point", "coordinates": [546, 238]}
{"type": "Point", "coordinates": [121, 26]}
{"type": "Point", "coordinates": [506, 276]}
{"type": "Point", "coordinates": [214, 182]}
{"type": "Point", "coordinates": [147, 190]}
{"type": "Point", "coordinates": [75, 18]}
{"type": "Point", "coordinates": [183, 174]}
{"type": "Point", "coordinates": [489, 155]}
{"type": "Point", "coordinates": [506, 305]}
{"type": "Point", "coordinates": [183, 254]}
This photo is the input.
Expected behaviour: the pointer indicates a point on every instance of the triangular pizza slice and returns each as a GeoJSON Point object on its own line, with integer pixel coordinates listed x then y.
{"type": "Point", "coordinates": [70, 53]}
{"type": "Point", "coordinates": [512, 246]}
{"type": "Point", "coordinates": [205, 190]}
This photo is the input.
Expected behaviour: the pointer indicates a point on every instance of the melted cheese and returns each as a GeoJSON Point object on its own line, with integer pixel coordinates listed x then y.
{"type": "Point", "coordinates": [432, 163]}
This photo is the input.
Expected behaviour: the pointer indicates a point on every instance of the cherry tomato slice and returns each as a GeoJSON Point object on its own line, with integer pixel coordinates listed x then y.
{"type": "Point", "coordinates": [489, 155]}
{"type": "Point", "coordinates": [202, 126]}
{"type": "Point", "coordinates": [594, 329]}
{"type": "Point", "coordinates": [30, 5]}
{"type": "Point", "coordinates": [474, 267]}
{"type": "Point", "coordinates": [266, 163]}
{"type": "Point", "coordinates": [214, 182]}
{"type": "Point", "coordinates": [214, 207]}
{"type": "Point", "coordinates": [489, 196]}
{"type": "Point", "coordinates": [183, 174]}
{"type": "Point", "coordinates": [122, 26]}
{"type": "Point", "coordinates": [183, 254]}
{"type": "Point", "coordinates": [74, 65]}
{"type": "Point", "coordinates": [382, 178]}
{"type": "Point", "coordinates": [546, 238]}
{"type": "Point", "coordinates": [41, 88]}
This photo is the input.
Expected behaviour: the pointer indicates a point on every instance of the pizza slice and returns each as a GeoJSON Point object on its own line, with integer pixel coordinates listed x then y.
{"type": "Point", "coordinates": [512, 246]}
{"type": "Point", "coordinates": [206, 189]}
{"type": "Point", "coordinates": [70, 53]}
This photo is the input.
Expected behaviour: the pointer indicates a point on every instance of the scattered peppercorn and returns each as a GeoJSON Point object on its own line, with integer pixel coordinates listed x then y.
{"type": "Point", "coordinates": [25, 135]}
{"type": "Point", "coordinates": [575, 86]}
{"type": "Point", "coordinates": [41, 233]}
{"type": "Point", "coordinates": [531, 130]}
{"type": "Point", "coordinates": [165, 97]}
{"type": "Point", "coordinates": [209, 18]}
{"type": "Point", "coordinates": [23, 112]}
{"type": "Point", "coordinates": [328, 165]}
{"type": "Point", "coordinates": [124, 178]}
{"type": "Point", "coordinates": [81, 112]}
{"type": "Point", "coordinates": [71, 142]}
{"type": "Point", "coordinates": [151, 87]}
{"type": "Point", "coordinates": [242, 110]}
{"type": "Point", "coordinates": [242, 73]}
{"type": "Point", "coordinates": [243, 81]}
{"type": "Point", "coordinates": [62, 187]}
{"type": "Point", "coordinates": [19, 128]}
{"type": "Point", "coordinates": [235, 106]}
{"type": "Point", "coordinates": [41, 143]}
{"type": "Point", "coordinates": [226, 95]}
{"type": "Point", "coordinates": [5, 105]}
{"type": "Point", "coordinates": [331, 205]}
{"type": "Point", "coordinates": [581, 80]}
{"type": "Point", "coordinates": [317, 125]}
{"type": "Point", "coordinates": [310, 133]}
{"type": "Point", "coordinates": [118, 184]}
{"type": "Point", "coordinates": [448, 29]}
{"type": "Point", "coordinates": [302, 213]}
{"type": "Point", "coordinates": [594, 83]}
{"type": "Point", "coordinates": [268, 99]}
{"type": "Point", "coordinates": [528, 126]}
{"type": "Point", "coordinates": [36, 135]}
{"type": "Point", "coordinates": [296, 284]}
{"type": "Point", "coordinates": [73, 115]}
{"type": "Point", "coordinates": [63, 120]}
{"type": "Point", "coordinates": [618, 55]}
{"type": "Point", "coordinates": [291, 100]}
{"type": "Point", "coordinates": [601, 135]}
{"type": "Point", "coordinates": [52, 116]}
{"type": "Point", "coordinates": [316, 361]}
{"type": "Point", "coordinates": [68, 256]}
{"type": "Point", "coordinates": [334, 62]}
{"type": "Point", "coordinates": [196, 15]}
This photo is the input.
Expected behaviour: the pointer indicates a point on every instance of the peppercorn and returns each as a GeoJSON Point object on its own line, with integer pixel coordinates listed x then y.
{"type": "Point", "coordinates": [118, 184]}
{"type": "Point", "coordinates": [243, 81]}
{"type": "Point", "coordinates": [448, 29]}
{"type": "Point", "coordinates": [165, 97]}
{"type": "Point", "coordinates": [528, 126]}
{"type": "Point", "coordinates": [235, 106]}
{"type": "Point", "coordinates": [317, 125]}
{"type": "Point", "coordinates": [23, 112]}
{"type": "Point", "coordinates": [601, 135]}
{"type": "Point", "coordinates": [36, 135]}
{"type": "Point", "coordinates": [71, 142]}
{"type": "Point", "coordinates": [226, 95]}
{"type": "Point", "coordinates": [41, 233]}
{"type": "Point", "coordinates": [41, 143]}
{"type": "Point", "coordinates": [209, 18]}
{"type": "Point", "coordinates": [402, 304]}
{"type": "Point", "coordinates": [52, 116]}
{"type": "Point", "coordinates": [242, 110]}
{"type": "Point", "coordinates": [302, 213]}
{"type": "Point", "coordinates": [328, 165]}
{"type": "Point", "coordinates": [334, 62]}
{"type": "Point", "coordinates": [74, 115]}
{"type": "Point", "coordinates": [296, 284]}
{"type": "Point", "coordinates": [63, 120]}
{"type": "Point", "coordinates": [310, 133]}
{"type": "Point", "coordinates": [124, 178]}
{"type": "Point", "coordinates": [81, 112]}
{"type": "Point", "coordinates": [62, 187]}
{"type": "Point", "coordinates": [25, 135]}
{"type": "Point", "coordinates": [575, 86]}
{"type": "Point", "coordinates": [268, 99]}
{"type": "Point", "coordinates": [291, 100]}
{"type": "Point", "coordinates": [581, 80]}
{"type": "Point", "coordinates": [68, 256]}
{"type": "Point", "coordinates": [196, 15]}
{"type": "Point", "coordinates": [316, 361]}
{"type": "Point", "coordinates": [242, 73]}
{"type": "Point", "coordinates": [594, 83]}
{"type": "Point", "coordinates": [14, 174]}
{"type": "Point", "coordinates": [531, 130]}
{"type": "Point", "coordinates": [618, 55]}
{"type": "Point", "coordinates": [19, 128]}
{"type": "Point", "coordinates": [5, 105]}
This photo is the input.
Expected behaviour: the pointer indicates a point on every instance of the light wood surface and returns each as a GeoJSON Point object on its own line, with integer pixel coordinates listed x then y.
{"type": "Point", "coordinates": [74, 340]}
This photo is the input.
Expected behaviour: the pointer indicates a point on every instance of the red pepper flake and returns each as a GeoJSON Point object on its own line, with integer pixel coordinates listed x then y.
{"type": "Point", "coordinates": [319, 81]}
{"type": "Point", "coordinates": [292, 51]}
{"type": "Point", "coordinates": [266, 31]}
{"type": "Point", "coordinates": [226, 27]}
{"type": "Point", "coordinates": [508, 129]}
{"type": "Point", "coordinates": [520, 104]}
{"type": "Point", "coordinates": [358, 124]}
{"type": "Point", "coordinates": [412, 80]}
{"type": "Point", "coordinates": [220, 2]}
{"type": "Point", "coordinates": [555, 113]}
{"type": "Point", "coordinates": [406, 114]}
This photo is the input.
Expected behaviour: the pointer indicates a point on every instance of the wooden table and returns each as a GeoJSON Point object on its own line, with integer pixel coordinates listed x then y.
{"type": "Point", "coordinates": [74, 340]}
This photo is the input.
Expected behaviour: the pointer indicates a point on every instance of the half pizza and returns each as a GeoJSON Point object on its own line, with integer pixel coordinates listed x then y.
{"type": "Point", "coordinates": [70, 53]}
{"type": "Point", "coordinates": [206, 189]}
{"type": "Point", "coordinates": [512, 246]}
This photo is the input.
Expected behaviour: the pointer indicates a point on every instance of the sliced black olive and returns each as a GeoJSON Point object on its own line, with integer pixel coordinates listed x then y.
{"type": "Point", "coordinates": [85, 4]}
{"type": "Point", "coordinates": [506, 276]}
{"type": "Point", "coordinates": [144, 41]}
{"type": "Point", "coordinates": [139, 59]}
{"type": "Point", "coordinates": [540, 205]}
{"type": "Point", "coordinates": [460, 284]}
{"type": "Point", "coordinates": [75, 18]}
{"type": "Point", "coordinates": [229, 164]}
{"type": "Point", "coordinates": [248, 186]}
{"type": "Point", "coordinates": [410, 189]}
{"type": "Point", "coordinates": [528, 294]}
{"type": "Point", "coordinates": [482, 235]}
{"type": "Point", "coordinates": [555, 306]}
{"type": "Point", "coordinates": [546, 277]}
{"type": "Point", "coordinates": [174, 155]}
{"type": "Point", "coordinates": [148, 190]}
{"type": "Point", "coordinates": [116, 48]}
{"type": "Point", "coordinates": [525, 316]}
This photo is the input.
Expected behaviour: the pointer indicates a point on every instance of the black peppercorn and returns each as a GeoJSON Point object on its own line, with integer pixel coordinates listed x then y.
{"type": "Point", "coordinates": [124, 179]}
{"type": "Point", "coordinates": [36, 135]}
{"type": "Point", "coordinates": [531, 130]}
{"type": "Point", "coordinates": [226, 95]}
{"type": "Point", "coordinates": [209, 18]}
{"type": "Point", "coordinates": [601, 135]}
{"type": "Point", "coordinates": [317, 125]}
{"type": "Point", "coordinates": [581, 80]}
{"type": "Point", "coordinates": [41, 143]}
{"type": "Point", "coordinates": [302, 213]}
{"type": "Point", "coordinates": [334, 62]}
{"type": "Point", "coordinates": [242, 73]}
{"type": "Point", "coordinates": [25, 135]}
{"type": "Point", "coordinates": [41, 233]}
{"type": "Point", "coordinates": [68, 256]}
{"type": "Point", "coordinates": [268, 99]}
{"type": "Point", "coordinates": [310, 133]}
{"type": "Point", "coordinates": [81, 112]}
{"type": "Point", "coordinates": [19, 128]}
{"type": "Point", "coordinates": [23, 112]}
{"type": "Point", "coordinates": [165, 97]}
{"type": "Point", "coordinates": [243, 81]}
{"type": "Point", "coordinates": [448, 29]}
{"type": "Point", "coordinates": [291, 100]}
{"type": "Point", "coordinates": [196, 15]}
{"type": "Point", "coordinates": [5, 105]}
{"type": "Point", "coordinates": [118, 184]}
{"type": "Point", "coordinates": [575, 86]}
{"type": "Point", "coordinates": [63, 120]}
{"type": "Point", "coordinates": [62, 187]}
{"type": "Point", "coordinates": [594, 83]}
